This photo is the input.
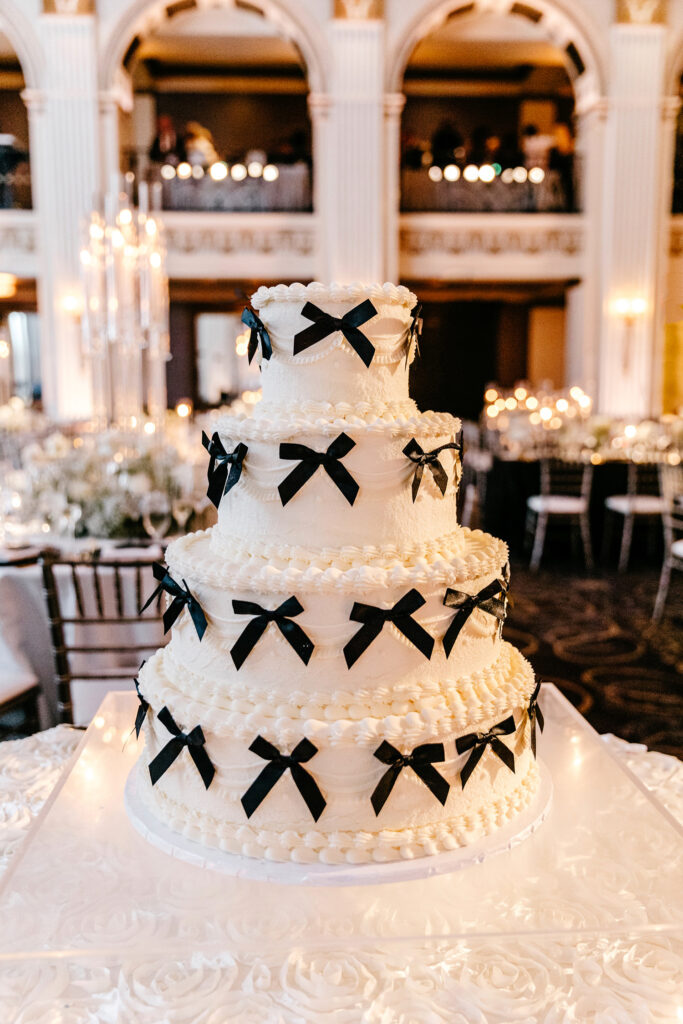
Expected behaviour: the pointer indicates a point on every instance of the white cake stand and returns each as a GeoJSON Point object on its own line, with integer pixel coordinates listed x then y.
{"type": "Point", "coordinates": [289, 873]}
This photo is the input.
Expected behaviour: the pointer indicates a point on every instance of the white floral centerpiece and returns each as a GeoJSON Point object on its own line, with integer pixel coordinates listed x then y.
{"type": "Point", "coordinates": [105, 476]}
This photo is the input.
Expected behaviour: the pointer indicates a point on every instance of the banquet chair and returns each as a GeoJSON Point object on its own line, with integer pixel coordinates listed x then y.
{"type": "Point", "coordinates": [565, 495]}
{"type": "Point", "coordinates": [643, 499]}
{"type": "Point", "coordinates": [98, 637]}
{"type": "Point", "coordinates": [671, 478]}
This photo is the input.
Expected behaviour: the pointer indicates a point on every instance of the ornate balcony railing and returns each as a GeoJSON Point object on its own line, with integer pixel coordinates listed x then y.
{"type": "Point", "coordinates": [18, 243]}
{"type": "Point", "coordinates": [271, 246]}
{"type": "Point", "coordinates": [492, 246]}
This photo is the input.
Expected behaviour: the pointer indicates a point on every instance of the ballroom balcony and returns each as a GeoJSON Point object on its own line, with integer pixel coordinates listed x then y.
{"type": "Point", "coordinates": [492, 246]}
{"type": "Point", "coordinates": [270, 246]}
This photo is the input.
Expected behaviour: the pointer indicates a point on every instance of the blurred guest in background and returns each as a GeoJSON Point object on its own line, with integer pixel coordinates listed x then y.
{"type": "Point", "coordinates": [199, 147]}
{"type": "Point", "coordinates": [10, 156]}
{"type": "Point", "coordinates": [561, 159]}
{"type": "Point", "coordinates": [167, 147]}
{"type": "Point", "coordinates": [445, 141]}
{"type": "Point", "coordinates": [536, 147]}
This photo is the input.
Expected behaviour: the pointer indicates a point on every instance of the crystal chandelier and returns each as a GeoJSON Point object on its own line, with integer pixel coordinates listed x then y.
{"type": "Point", "coordinates": [125, 317]}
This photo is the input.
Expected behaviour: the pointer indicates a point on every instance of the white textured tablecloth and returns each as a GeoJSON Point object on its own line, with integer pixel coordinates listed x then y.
{"type": "Point", "coordinates": [618, 982]}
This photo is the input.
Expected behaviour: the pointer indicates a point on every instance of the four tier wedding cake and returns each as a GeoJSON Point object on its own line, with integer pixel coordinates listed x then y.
{"type": "Point", "coordinates": [336, 687]}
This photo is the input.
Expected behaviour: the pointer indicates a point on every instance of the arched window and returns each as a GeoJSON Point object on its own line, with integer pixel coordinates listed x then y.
{"type": "Point", "coordinates": [488, 123]}
{"type": "Point", "coordinates": [219, 119]}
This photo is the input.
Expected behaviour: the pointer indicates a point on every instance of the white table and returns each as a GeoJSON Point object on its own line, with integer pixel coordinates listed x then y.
{"type": "Point", "coordinates": [604, 945]}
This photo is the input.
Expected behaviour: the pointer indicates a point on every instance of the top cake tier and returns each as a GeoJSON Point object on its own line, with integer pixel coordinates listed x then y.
{"type": "Point", "coordinates": [330, 342]}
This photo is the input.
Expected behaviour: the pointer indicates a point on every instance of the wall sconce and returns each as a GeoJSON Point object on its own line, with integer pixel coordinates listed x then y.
{"type": "Point", "coordinates": [629, 309]}
{"type": "Point", "coordinates": [8, 286]}
{"type": "Point", "coordinates": [72, 304]}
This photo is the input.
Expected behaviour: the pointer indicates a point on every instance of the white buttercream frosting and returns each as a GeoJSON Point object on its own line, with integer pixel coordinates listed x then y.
{"type": "Point", "coordinates": [330, 553]}
{"type": "Point", "coordinates": [252, 511]}
{"type": "Point", "coordinates": [330, 370]}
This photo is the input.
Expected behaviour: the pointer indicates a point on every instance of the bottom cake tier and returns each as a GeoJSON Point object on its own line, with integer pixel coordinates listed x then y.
{"type": "Point", "coordinates": [336, 792]}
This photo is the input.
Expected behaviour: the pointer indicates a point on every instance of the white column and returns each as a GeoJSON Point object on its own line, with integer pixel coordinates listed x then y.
{"type": "Point", "coordinates": [64, 132]}
{"type": "Point", "coordinates": [393, 109]}
{"type": "Point", "coordinates": [354, 189]}
{"type": "Point", "coordinates": [584, 300]}
{"type": "Point", "coordinates": [632, 220]}
{"type": "Point", "coordinates": [319, 110]}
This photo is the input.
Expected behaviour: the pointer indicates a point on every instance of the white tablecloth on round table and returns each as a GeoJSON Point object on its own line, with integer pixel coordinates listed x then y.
{"type": "Point", "coordinates": [305, 988]}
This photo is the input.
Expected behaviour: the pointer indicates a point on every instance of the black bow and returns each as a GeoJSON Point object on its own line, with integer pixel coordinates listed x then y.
{"type": "Point", "coordinates": [421, 761]}
{"type": "Point", "coordinates": [258, 333]}
{"type": "Point", "coordinates": [414, 330]}
{"type": "Point", "coordinates": [325, 324]}
{"type": "Point", "coordinates": [142, 709]}
{"type": "Point", "coordinates": [373, 620]}
{"type": "Point", "coordinates": [225, 468]}
{"type": "Point", "coordinates": [194, 741]}
{"type": "Point", "coordinates": [477, 742]}
{"type": "Point", "coordinates": [254, 630]}
{"type": "Point", "coordinates": [310, 461]}
{"type": "Point", "coordinates": [535, 715]}
{"type": "Point", "coordinates": [278, 765]}
{"type": "Point", "coordinates": [421, 458]}
{"type": "Point", "coordinates": [181, 597]}
{"type": "Point", "coordinates": [465, 604]}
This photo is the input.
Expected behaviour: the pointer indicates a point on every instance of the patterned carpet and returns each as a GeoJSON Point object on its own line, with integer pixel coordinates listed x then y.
{"type": "Point", "coordinates": [594, 638]}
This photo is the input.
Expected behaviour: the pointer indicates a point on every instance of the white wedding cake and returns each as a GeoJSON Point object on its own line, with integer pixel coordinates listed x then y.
{"type": "Point", "coordinates": [336, 687]}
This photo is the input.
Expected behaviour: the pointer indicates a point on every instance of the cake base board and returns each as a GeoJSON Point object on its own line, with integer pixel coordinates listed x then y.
{"type": "Point", "coordinates": [510, 835]}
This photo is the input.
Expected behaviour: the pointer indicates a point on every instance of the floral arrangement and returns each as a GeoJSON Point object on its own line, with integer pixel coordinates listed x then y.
{"type": "Point", "coordinates": [101, 477]}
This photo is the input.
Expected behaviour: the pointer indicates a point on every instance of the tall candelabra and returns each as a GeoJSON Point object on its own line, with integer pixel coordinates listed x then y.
{"type": "Point", "coordinates": [125, 316]}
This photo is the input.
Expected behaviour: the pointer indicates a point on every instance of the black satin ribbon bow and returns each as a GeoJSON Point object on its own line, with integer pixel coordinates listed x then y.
{"type": "Point", "coordinates": [254, 630]}
{"type": "Point", "coordinates": [373, 620]}
{"type": "Point", "coordinates": [535, 715]}
{"type": "Point", "coordinates": [194, 741]}
{"type": "Point", "coordinates": [142, 709]}
{"type": "Point", "coordinates": [414, 330]}
{"type": "Point", "coordinates": [181, 598]}
{"type": "Point", "coordinates": [421, 761]}
{"type": "Point", "coordinates": [278, 765]}
{"type": "Point", "coordinates": [310, 461]}
{"type": "Point", "coordinates": [421, 458]}
{"type": "Point", "coordinates": [258, 333]}
{"type": "Point", "coordinates": [325, 324]}
{"type": "Point", "coordinates": [477, 742]}
{"type": "Point", "coordinates": [225, 468]}
{"type": "Point", "coordinates": [465, 604]}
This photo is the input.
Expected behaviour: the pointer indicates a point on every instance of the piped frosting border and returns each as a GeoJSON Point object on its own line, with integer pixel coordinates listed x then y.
{"type": "Point", "coordinates": [275, 422]}
{"type": "Point", "coordinates": [317, 292]}
{"type": "Point", "coordinates": [207, 557]}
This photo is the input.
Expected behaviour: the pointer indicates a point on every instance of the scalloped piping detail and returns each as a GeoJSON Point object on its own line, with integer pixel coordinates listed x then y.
{"type": "Point", "coordinates": [338, 847]}
{"type": "Point", "coordinates": [282, 423]}
{"type": "Point", "coordinates": [384, 355]}
{"type": "Point", "coordinates": [373, 486]}
{"type": "Point", "coordinates": [276, 568]}
{"type": "Point", "coordinates": [508, 683]}
{"type": "Point", "coordinates": [334, 292]}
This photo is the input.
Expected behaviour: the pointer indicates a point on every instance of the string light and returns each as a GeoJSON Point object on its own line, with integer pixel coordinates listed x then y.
{"type": "Point", "coordinates": [218, 171]}
{"type": "Point", "coordinates": [451, 172]}
{"type": "Point", "coordinates": [270, 172]}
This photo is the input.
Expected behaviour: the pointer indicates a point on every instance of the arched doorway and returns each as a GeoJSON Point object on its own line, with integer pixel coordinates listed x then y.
{"type": "Point", "coordinates": [219, 115]}
{"type": "Point", "coordinates": [217, 106]}
{"type": "Point", "coordinates": [236, 50]}
{"type": "Point", "coordinates": [494, 122]}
